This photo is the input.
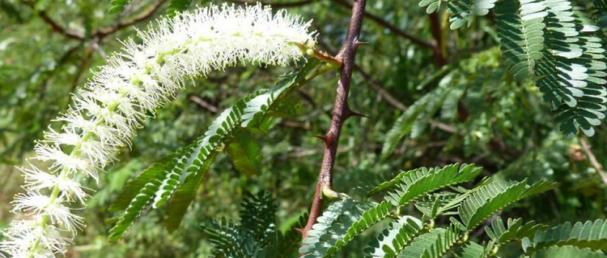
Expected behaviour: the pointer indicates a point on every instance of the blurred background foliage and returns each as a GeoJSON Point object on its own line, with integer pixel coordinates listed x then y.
{"type": "Point", "coordinates": [430, 96]}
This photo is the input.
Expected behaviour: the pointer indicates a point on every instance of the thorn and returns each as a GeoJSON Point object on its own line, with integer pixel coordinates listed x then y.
{"type": "Point", "coordinates": [359, 43]}
{"type": "Point", "coordinates": [349, 113]}
{"type": "Point", "coordinates": [323, 138]}
{"type": "Point", "coordinates": [300, 230]}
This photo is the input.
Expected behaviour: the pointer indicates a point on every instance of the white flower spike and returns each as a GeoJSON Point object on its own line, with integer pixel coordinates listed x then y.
{"type": "Point", "coordinates": [107, 111]}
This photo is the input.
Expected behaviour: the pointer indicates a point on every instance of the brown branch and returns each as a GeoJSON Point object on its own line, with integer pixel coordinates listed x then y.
{"type": "Point", "coordinates": [341, 112]}
{"type": "Point", "coordinates": [103, 32]}
{"type": "Point", "coordinates": [58, 28]}
{"type": "Point", "coordinates": [439, 43]}
{"type": "Point", "coordinates": [389, 98]}
{"type": "Point", "coordinates": [592, 158]}
{"type": "Point", "coordinates": [203, 103]}
{"type": "Point", "coordinates": [277, 4]}
{"type": "Point", "coordinates": [378, 20]}
{"type": "Point", "coordinates": [383, 93]}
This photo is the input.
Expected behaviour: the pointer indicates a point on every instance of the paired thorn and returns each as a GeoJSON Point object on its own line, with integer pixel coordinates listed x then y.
{"type": "Point", "coordinates": [323, 138]}
{"type": "Point", "coordinates": [358, 43]}
{"type": "Point", "coordinates": [350, 113]}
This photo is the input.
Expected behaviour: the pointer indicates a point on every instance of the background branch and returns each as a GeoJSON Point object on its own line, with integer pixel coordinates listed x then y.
{"type": "Point", "coordinates": [389, 26]}
{"type": "Point", "coordinates": [592, 158]}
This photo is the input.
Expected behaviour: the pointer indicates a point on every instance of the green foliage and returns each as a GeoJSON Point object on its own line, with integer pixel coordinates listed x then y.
{"type": "Point", "coordinates": [495, 195]}
{"type": "Point", "coordinates": [398, 235]}
{"type": "Point", "coordinates": [463, 11]}
{"type": "Point", "coordinates": [521, 31]}
{"type": "Point", "coordinates": [407, 236]}
{"type": "Point", "coordinates": [567, 251]}
{"type": "Point", "coordinates": [176, 6]}
{"type": "Point", "coordinates": [435, 243]}
{"type": "Point", "coordinates": [256, 235]}
{"type": "Point", "coordinates": [118, 6]}
{"type": "Point", "coordinates": [179, 178]}
{"type": "Point", "coordinates": [590, 234]}
{"type": "Point", "coordinates": [514, 229]}
{"type": "Point", "coordinates": [560, 50]}
{"type": "Point", "coordinates": [477, 108]}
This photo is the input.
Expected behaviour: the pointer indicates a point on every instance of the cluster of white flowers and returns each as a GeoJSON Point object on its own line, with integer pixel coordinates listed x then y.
{"type": "Point", "coordinates": [107, 111]}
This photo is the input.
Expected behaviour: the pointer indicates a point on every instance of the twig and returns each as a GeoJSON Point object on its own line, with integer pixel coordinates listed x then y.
{"type": "Point", "coordinates": [383, 93]}
{"type": "Point", "coordinates": [390, 27]}
{"type": "Point", "coordinates": [58, 28]}
{"type": "Point", "coordinates": [341, 112]}
{"type": "Point", "coordinates": [593, 161]}
{"type": "Point", "coordinates": [203, 103]}
{"type": "Point", "coordinates": [103, 32]}
{"type": "Point", "coordinates": [277, 4]}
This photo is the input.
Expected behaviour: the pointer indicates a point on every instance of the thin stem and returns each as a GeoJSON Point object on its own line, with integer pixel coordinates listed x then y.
{"type": "Point", "coordinates": [101, 32]}
{"type": "Point", "coordinates": [341, 112]}
{"type": "Point", "coordinates": [439, 42]}
{"type": "Point", "coordinates": [592, 158]}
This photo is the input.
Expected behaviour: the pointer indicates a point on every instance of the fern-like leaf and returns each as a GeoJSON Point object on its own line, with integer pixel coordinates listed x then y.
{"type": "Point", "coordinates": [335, 221]}
{"type": "Point", "coordinates": [463, 11]}
{"type": "Point", "coordinates": [520, 28]}
{"type": "Point", "coordinates": [567, 252]}
{"type": "Point", "coordinates": [495, 196]}
{"type": "Point", "coordinates": [461, 173]}
{"type": "Point", "coordinates": [514, 229]}
{"type": "Point", "coordinates": [471, 250]}
{"type": "Point", "coordinates": [591, 234]}
{"type": "Point", "coordinates": [398, 235]}
{"type": "Point", "coordinates": [416, 183]}
{"type": "Point", "coordinates": [433, 244]}
{"type": "Point", "coordinates": [368, 218]}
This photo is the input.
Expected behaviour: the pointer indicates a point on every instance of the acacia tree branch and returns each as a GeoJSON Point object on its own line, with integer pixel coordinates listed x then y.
{"type": "Point", "coordinates": [277, 4]}
{"type": "Point", "coordinates": [340, 113]}
{"type": "Point", "coordinates": [378, 20]}
{"type": "Point", "coordinates": [58, 28]}
{"type": "Point", "coordinates": [592, 158]}
{"type": "Point", "coordinates": [103, 32]}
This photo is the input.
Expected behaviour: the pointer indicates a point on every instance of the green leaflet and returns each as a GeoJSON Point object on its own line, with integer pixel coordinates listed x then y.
{"type": "Point", "coordinates": [471, 250]}
{"type": "Point", "coordinates": [416, 118]}
{"type": "Point", "coordinates": [495, 196]}
{"type": "Point", "coordinates": [367, 219]}
{"type": "Point", "coordinates": [417, 183]}
{"type": "Point", "coordinates": [398, 235]}
{"type": "Point", "coordinates": [514, 229]}
{"type": "Point", "coordinates": [520, 28]}
{"type": "Point", "coordinates": [433, 244]}
{"type": "Point", "coordinates": [117, 6]}
{"type": "Point", "coordinates": [567, 252]}
{"type": "Point", "coordinates": [257, 235]}
{"type": "Point", "coordinates": [335, 221]}
{"type": "Point", "coordinates": [463, 11]}
{"type": "Point", "coordinates": [590, 234]}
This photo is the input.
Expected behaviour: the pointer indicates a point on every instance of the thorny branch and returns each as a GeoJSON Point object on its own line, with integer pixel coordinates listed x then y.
{"type": "Point", "coordinates": [341, 112]}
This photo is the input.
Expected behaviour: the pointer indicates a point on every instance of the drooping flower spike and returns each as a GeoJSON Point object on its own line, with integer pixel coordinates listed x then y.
{"type": "Point", "coordinates": [106, 112]}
